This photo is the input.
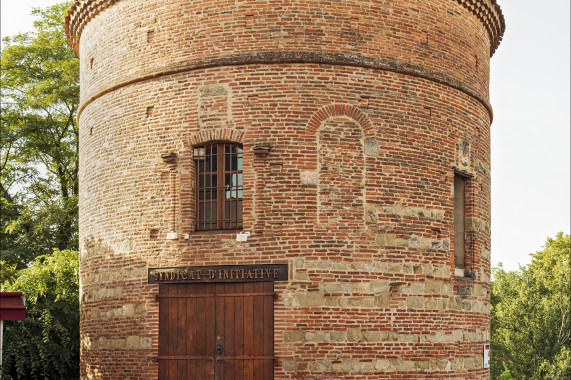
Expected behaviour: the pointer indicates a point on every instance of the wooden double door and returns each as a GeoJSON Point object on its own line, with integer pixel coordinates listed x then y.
{"type": "Point", "coordinates": [219, 331]}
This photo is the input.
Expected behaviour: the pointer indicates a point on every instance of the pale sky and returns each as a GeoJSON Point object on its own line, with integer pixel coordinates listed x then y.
{"type": "Point", "coordinates": [530, 94]}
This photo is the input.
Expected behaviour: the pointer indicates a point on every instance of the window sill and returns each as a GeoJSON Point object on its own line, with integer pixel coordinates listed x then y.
{"type": "Point", "coordinates": [216, 232]}
{"type": "Point", "coordinates": [464, 274]}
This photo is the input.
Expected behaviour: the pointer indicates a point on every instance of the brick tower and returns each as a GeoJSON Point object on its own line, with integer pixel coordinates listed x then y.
{"type": "Point", "coordinates": [284, 189]}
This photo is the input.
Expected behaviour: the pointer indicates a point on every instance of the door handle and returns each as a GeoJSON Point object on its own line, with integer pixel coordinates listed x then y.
{"type": "Point", "coordinates": [219, 349]}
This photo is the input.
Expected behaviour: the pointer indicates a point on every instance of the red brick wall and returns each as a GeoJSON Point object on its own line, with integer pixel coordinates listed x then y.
{"type": "Point", "coordinates": [365, 105]}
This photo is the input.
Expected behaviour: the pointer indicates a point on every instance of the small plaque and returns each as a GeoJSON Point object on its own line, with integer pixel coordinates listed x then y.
{"type": "Point", "coordinates": [219, 273]}
{"type": "Point", "coordinates": [486, 356]}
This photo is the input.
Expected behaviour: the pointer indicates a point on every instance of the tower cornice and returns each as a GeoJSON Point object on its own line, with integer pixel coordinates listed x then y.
{"type": "Point", "coordinates": [82, 11]}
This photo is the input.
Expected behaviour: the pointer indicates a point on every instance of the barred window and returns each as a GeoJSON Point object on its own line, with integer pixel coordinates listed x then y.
{"type": "Point", "coordinates": [218, 186]}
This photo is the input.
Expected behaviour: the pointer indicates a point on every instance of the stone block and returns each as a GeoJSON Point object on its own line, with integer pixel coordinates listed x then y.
{"type": "Point", "coordinates": [404, 365]}
{"type": "Point", "coordinates": [371, 148]}
{"type": "Point", "coordinates": [382, 300]}
{"type": "Point", "coordinates": [331, 301]}
{"type": "Point", "coordinates": [309, 178]}
{"type": "Point", "coordinates": [354, 335]}
{"type": "Point", "coordinates": [446, 287]}
{"type": "Point", "coordinates": [370, 214]}
{"type": "Point", "coordinates": [446, 244]}
{"type": "Point", "coordinates": [389, 336]}
{"type": "Point", "coordinates": [366, 366]}
{"type": "Point", "coordinates": [377, 286]}
{"type": "Point", "coordinates": [324, 365]}
{"type": "Point", "coordinates": [384, 365]}
{"type": "Point", "coordinates": [343, 301]}
{"type": "Point", "coordinates": [311, 299]}
{"type": "Point", "coordinates": [331, 287]}
{"type": "Point", "coordinates": [212, 90]}
{"type": "Point", "coordinates": [381, 240]}
{"type": "Point", "coordinates": [368, 302]}
{"type": "Point", "coordinates": [457, 335]}
{"type": "Point", "coordinates": [355, 301]}
{"type": "Point", "coordinates": [485, 253]}
{"type": "Point", "coordinates": [441, 363]}
{"type": "Point", "coordinates": [338, 336]}
{"type": "Point", "coordinates": [372, 336]}
{"type": "Point", "coordinates": [117, 343]}
{"type": "Point", "coordinates": [360, 287]}
{"type": "Point", "coordinates": [301, 275]}
{"type": "Point", "coordinates": [450, 366]}
{"type": "Point", "coordinates": [133, 341]}
{"type": "Point", "coordinates": [316, 337]}
{"type": "Point", "coordinates": [408, 338]}
{"type": "Point", "coordinates": [469, 363]}
{"type": "Point", "coordinates": [432, 286]}
{"type": "Point", "coordinates": [427, 270]}
{"type": "Point", "coordinates": [415, 302]}
{"type": "Point", "coordinates": [431, 303]}
{"type": "Point", "coordinates": [414, 242]}
{"type": "Point", "coordinates": [128, 309]}
{"type": "Point", "coordinates": [146, 342]}
{"type": "Point", "coordinates": [395, 267]}
{"type": "Point", "coordinates": [350, 365]}
{"type": "Point", "coordinates": [293, 336]}
{"type": "Point", "coordinates": [289, 365]}
{"type": "Point", "coordinates": [408, 268]}
{"type": "Point", "coordinates": [140, 308]}
{"type": "Point", "coordinates": [428, 338]}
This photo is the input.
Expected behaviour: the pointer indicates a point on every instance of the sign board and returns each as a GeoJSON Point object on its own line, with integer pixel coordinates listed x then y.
{"type": "Point", "coordinates": [486, 356]}
{"type": "Point", "coordinates": [12, 306]}
{"type": "Point", "coordinates": [219, 273]}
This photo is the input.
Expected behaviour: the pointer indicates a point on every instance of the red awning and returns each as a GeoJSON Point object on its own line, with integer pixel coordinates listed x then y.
{"type": "Point", "coordinates": [12, 306]}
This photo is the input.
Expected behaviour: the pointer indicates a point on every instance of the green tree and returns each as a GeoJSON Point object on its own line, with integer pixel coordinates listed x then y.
{"type": "Point", "coordinates": [46, 344]}
{"type": "Point", "coordinates": [39, 84]}
{"type": "Point", "coordinates": [531, 315]}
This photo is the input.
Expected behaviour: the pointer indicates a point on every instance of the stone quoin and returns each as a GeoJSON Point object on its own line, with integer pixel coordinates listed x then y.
{"type": "Point", "coordinates": [346, 143]}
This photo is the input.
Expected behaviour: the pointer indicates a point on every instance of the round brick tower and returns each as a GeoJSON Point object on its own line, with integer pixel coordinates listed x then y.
{"type": "Point", "coordinates": [284, 189]}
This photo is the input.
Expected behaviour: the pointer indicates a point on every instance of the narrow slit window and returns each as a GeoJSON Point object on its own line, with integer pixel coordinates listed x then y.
{"type": "Point", "coordinates": [219, 186]}
{"type": "Point", "coordinates": [459, 221]}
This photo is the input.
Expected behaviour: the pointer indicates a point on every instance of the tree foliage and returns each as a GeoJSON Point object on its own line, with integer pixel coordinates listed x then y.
{"type": "Point", "coordinates": [39, 84]}
{"type": "Point", "coordinates": [46, 344]}
{"type": "Point", "coordinates": [531, 315]}
{"type": "Point", "coordinates": [38, 145]}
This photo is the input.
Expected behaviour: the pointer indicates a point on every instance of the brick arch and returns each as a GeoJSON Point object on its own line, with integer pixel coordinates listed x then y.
{"type": "Point", "coordinates": [221, 134]}
{"type": "Point", "coordinates": [331, 110]}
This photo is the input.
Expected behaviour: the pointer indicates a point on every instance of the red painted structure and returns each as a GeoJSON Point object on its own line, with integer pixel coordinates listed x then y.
{"type": "Point", "coordinates": [12, 306]}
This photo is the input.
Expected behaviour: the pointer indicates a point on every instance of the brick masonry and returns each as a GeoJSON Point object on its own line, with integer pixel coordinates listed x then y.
{"type": "Point", "coordinates": [367, 107]}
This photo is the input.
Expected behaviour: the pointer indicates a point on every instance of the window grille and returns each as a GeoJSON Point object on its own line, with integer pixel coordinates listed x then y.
{"type": "Point", "coordinates": [219, 186]}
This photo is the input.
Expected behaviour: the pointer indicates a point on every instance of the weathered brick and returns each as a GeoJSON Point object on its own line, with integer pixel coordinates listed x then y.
{"type": "Point", "coordinates": [363, 108]}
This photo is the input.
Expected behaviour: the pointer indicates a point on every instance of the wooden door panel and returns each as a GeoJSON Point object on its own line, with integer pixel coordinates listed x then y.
{"type": "Point", "coordinates": [163, 330]}
{"type": "Point", "coordinates": [248, 332]}
{"type": "Point", "coordinates": [209, 332]}
{"type": "Point", "coordinates": [268, 327]}
{"type": "Point", "coordinates": [195, 319]}
{"type": "Point", "coordinates": [258, 331]}
{"type": "Point", "coordinates": [180, 332]}
{"type": "Point", "coordinates": [237, 366]}
{"type": "Point", "coordinates": [191, 336]}
{"type": "Point", "coordinates": [229, 367]}
{"type": "Point", "coordinates": [220, 338]}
